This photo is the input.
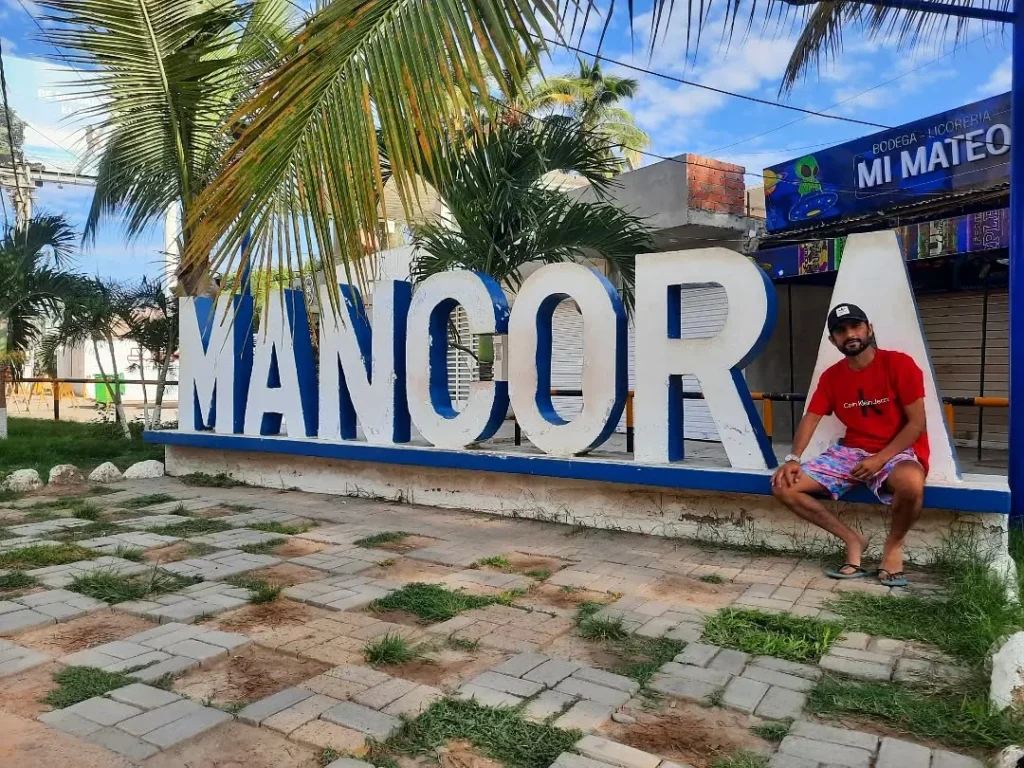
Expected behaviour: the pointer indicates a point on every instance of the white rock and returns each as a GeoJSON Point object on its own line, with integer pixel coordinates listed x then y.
{"type": "Point", "coordinates": [105, 473]}
{"type": "Point", "coordinates": [65, 474]}
{"type": "Point", "coordinates": [23, 480]}
{"type": "Point", "coordinates": [144, 470]}
{"type": "Point", "coordinates": [622, 717]}
{"type": "Point", "coordinates": [1010, 757]}
{"type": "Point", "coordinates": [1007, 673]}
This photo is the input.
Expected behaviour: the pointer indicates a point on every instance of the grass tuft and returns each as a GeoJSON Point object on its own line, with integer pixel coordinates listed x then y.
{"type": "Point", "coordinates": [193, 526]}
{"type": "Point", "coordinates": [390, 649]}
{"type": "Point", "coordinates": [712, 578]}
{"type": "Point", "coordinates": [260, 591]}
{"type": "Point", "coordinates": [7, 495]}
{"type": "Point", "coordinates": [594, 628]}
{"type": "Point", "coordinates": [263, 547]}
{"type": "Point", "coordinates": [540, 574]}
{"type": "Point", "coordinates": [462, 644]}
{"type": "Point", "coordinates": [147, 500]}
{"type": "Point", "coordinates": [290, 529]}
{"type": "Point", "coordinates": [41, 555]}
{"type": "Point", "coordinates": [501, 734]}
{"type": "Point", "coordinates": [86, 511]}
{"type": "Point", "coordinates": [92, 530]}
{"type": "Point", "coordinates": [386, 537]}
{"type": "Point", "coordinates": [772, 731]}
{"type": "Point", "coordinates": [199, 549]}
{"type": "Point", "coordinates": [328, 756]}
{"type": "Point", "coordinates": [75, 684]}
{"type": "Point", "coordinates": [495, 561]}
{"type": "Point", "coordinates": [741, 759]}
{"type": "Point", "coordinates": [17, 580]}
{"type": "Point", "coordinates": [956, 717]}
{"type": "Point", "coordinates": [112, 587]}
{"type": "Point", "coordinates": [430, 602]}
{"type": "Point", "coordinates": [128, 552]}
{"type": "Point", "coordinates": [203, 480]}
{"type": "Point", "coordinates": [793, 638]}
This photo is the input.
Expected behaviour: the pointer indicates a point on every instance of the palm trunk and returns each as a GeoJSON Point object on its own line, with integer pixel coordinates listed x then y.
{"type": "Point", "coordinates": [115, 395]}
{"type": "Point", "coordinates": [3, 402]}
{"type": "Point", "coordinates": [145, 394]}
{"type": "Point", "coordinates": [161, 384]}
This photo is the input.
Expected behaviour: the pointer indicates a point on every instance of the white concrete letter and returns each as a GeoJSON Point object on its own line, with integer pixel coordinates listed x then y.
{"type": "Point", "coordinates": [430, 403]}
{"type": "Point", "coordinates": [663, 358]}
{"type": "Point", "coordinates": [283, 373]}
{"type": "Point", "coordinates": [604, 358]}
{"type": "Point", "coordinates": [362, 371]}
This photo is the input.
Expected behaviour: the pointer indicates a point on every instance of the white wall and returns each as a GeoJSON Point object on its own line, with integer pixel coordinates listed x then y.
{"type": "Point", "coordinates": [132, 363]}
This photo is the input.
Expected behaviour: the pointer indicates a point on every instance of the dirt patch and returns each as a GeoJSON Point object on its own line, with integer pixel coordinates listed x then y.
{"type": "Point", "coordinates": [408, 544]}
{"type": "Point", "coordinates": [22, 692]}
{"type": "Point", "coordinates": [27, 742]}
{"type": "Point", "coordinates": [404, 618]}
{"type": "Point", "coordinates": [447, 667]}
{"type": "Point", "coordinates": [407, 571]}
{"type": "Point", "coordinates": [279, 613]}
{"type": "Point", "coordinates": [248, 676]}
{"type": "Point", "coordinates": [286, 575]}
{"type": "Point", "coordinates": [687, 733]}
{"type": "Point", "coordinates": [235, 745]}
{"type": "Point", "coordinates": [572, 647]}
{"type": "Point", "coordinates": [85, 632]}
{"type": "Point", "coordinates": [462, 754]}
{"type": "Point", "coordinates": [552, 599]}
{"type": "Point", "coordinates": [169, 554]}
{"type": "Point", "coordinates": [299, 548]}
{"type": "Point", "coordinates": [673, 588]}
{"type": "Point", "coordinates": [211, 513]}
{"type": "Point", "coordinates": [521, 563]}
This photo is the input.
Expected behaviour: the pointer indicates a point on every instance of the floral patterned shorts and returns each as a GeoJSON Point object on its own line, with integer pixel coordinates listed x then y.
{"type": "Point", "coordinates": [832, 469]}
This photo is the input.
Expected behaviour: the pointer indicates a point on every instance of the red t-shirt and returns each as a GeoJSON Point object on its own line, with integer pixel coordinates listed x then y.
{"type": "Point", "coordinates": [870, 402]}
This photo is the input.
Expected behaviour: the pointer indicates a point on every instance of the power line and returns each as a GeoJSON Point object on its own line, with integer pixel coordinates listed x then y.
{"type": "Point", "coordinates": [722, 91]}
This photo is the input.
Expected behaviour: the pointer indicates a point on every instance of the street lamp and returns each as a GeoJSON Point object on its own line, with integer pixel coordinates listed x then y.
{"type": "Point", "coordinates": [1015, 18]}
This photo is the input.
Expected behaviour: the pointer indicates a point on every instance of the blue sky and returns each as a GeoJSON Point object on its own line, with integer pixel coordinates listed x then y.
{"type": "Point", "coordinates": [872, 80]}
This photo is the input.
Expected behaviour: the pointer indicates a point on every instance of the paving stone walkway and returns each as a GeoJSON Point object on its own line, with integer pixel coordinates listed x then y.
{"type": "Point", "coordinates": [527, 654]}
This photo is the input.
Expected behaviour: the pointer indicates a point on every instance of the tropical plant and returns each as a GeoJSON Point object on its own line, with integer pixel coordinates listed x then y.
{"type": "Point", "coordinates": [505, 213]}
{"type": "Point", "coordinates": [164, 76]}
{"type": "Point", "coordinates": [33, 280]}
{"type": "Point", "coordinates": [17, 131]}
{"type": "Point", "coordinates": [93, 313]}
{"type": "Point", "coordinates": [152, 318]}
{"type": "Point", "coordinates": [591, 98]}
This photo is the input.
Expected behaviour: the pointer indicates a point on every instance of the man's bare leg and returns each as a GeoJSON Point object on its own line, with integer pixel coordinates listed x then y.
{"type": "Point", "coordinates": [907, 485]}
{"type": "Point", "coordinates": [798, 498]}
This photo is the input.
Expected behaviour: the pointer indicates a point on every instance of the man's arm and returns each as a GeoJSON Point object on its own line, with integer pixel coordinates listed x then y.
{"type": "Point", "coordinates": [915, 427]}
{"type": "Point", "coordinates": [789, 472]}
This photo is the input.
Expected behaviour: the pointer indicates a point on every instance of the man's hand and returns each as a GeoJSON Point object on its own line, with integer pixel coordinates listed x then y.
{"type": "Point", "coordinates": [868, 468]}
{"type": "Point", "coordinates": [787, 475]}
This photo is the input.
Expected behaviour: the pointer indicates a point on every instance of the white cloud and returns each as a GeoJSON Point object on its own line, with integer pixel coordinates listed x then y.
{"type": "Point", "coordinates": [998, 82]}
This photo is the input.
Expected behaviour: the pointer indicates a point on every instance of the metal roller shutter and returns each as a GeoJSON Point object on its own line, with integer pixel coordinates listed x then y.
{"type": "Point", "coordinates": [952, 324]}
{"type": "Point", "coordinates": [462, 367]}
{"type": "Point", "coordinates": [704, 310]}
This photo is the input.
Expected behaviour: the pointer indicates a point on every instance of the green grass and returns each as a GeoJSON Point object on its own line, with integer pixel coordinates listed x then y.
{"type": "Point", "coordinates": [431, 602]}
{"type": "Point", "coordinates": [7, 495]}
{"type": "Point", "coordinates": [40, 556]}
{"type": "Point", "coordinates": [128, 552]}
{"type": "Point", "coordinates": [741, 759]}
{"type": "Point", "coordinates": [91, 530]}
{"type": "Point", "coordinates": [75, 684]}
{"type": "Point", "coordinates": [712, 578]}
{"type": "Point", "coordinates": [260, 590]}
{"type": "Point", "coordinates": [239, 507]}
{"type": "Point", "coordinates": [390, 649]}
{"type": "Point", "coordinates": [329, 755]}
{"type": "Point", "coordinates": [39, 444]}
{"type": "Point", "coordinates": [290, 529]}
{"type": "Point", "coordinates": [500, 734]}
{"type": "Point", "coordinates": [40, 515]}
{"type": "Point", "coordinates": [87, 511]}
{"type": "Point", "coordinates": [146, 500]}
{"type": "Point", "coordinates": [540, 574]}
{"type": "Point", "coordinates": [958, 717]}
{"type": "Point", "coordinates": [641, 656]}
{"type": "Point", "coordinates": [773, 731]}
{"type": "Point", "coordinates": [595, 628]}
{"type": "Point", "coordinates": [17, 580]}
{"type": "Point", "coordinates": [794, 638]}
{"type": "Point", "coordinates": [5, 534]}
{"type": "Point", "coordinates": [495, 561]}
{"type": "Point", "coordinates": [193, 526]}
{"type": "Point", "coordinates": [387, 537]}
{"type": "Point", "coordinates": [570, 589]}
{"type": "Point", "coordinates": [181, 510]}
{"type": "Point", "coordinates": [263, 547]}
{"type": "Point", "coordinates": [462, 644]}
{"type": "Point", "coordinates": [203, 480]}
{"type": "Point", "coordinates": [112, 587]}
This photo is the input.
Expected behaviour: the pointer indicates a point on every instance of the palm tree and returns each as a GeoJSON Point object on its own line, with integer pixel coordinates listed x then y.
{"type": "Point", "coordinates": [93, 313]}
{"type": "Point", "coordinates": [591, 98]}
{"type": "Point", "coordinates": [164, 75]}
{"type": "Point", "coordinates": [32, 283]}
{"type": "Point", "coordinates": [505, 215]}
{"type": "Point", "coordinates": [152, 318]}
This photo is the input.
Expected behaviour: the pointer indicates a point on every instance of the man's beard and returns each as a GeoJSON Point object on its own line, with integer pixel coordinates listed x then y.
{"type": "Point", "coordinates": [853, 351]}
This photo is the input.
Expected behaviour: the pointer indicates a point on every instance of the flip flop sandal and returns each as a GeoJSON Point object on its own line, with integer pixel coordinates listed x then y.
{"type": "Point", "coordinates": [837, 573]}
{"type": "Point", "coordinates": [891, 578]}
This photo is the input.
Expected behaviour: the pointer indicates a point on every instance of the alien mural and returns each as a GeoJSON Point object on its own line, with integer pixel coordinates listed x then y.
{"type": "Point", "coordinates": [814, 201]}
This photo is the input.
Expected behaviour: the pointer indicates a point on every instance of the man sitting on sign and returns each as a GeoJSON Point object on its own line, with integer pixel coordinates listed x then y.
{"type": "Point", "coordinates": [878, 395]}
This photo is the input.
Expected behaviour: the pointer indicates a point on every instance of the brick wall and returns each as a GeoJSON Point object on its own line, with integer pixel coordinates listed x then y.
{"type": "Point", "coordinates": [714, 186]}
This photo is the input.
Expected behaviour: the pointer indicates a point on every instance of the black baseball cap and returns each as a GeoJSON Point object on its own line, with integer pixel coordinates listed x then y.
{"type": "Point", "coordinates": [845, 313]}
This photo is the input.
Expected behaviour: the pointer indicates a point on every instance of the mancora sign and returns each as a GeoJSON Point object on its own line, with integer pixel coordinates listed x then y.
{"type": "Point", "coordinates": [389, 377]}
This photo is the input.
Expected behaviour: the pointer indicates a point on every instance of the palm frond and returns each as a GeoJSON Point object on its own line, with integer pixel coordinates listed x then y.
{"type": "Point", "coordinates": [306, 157]}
